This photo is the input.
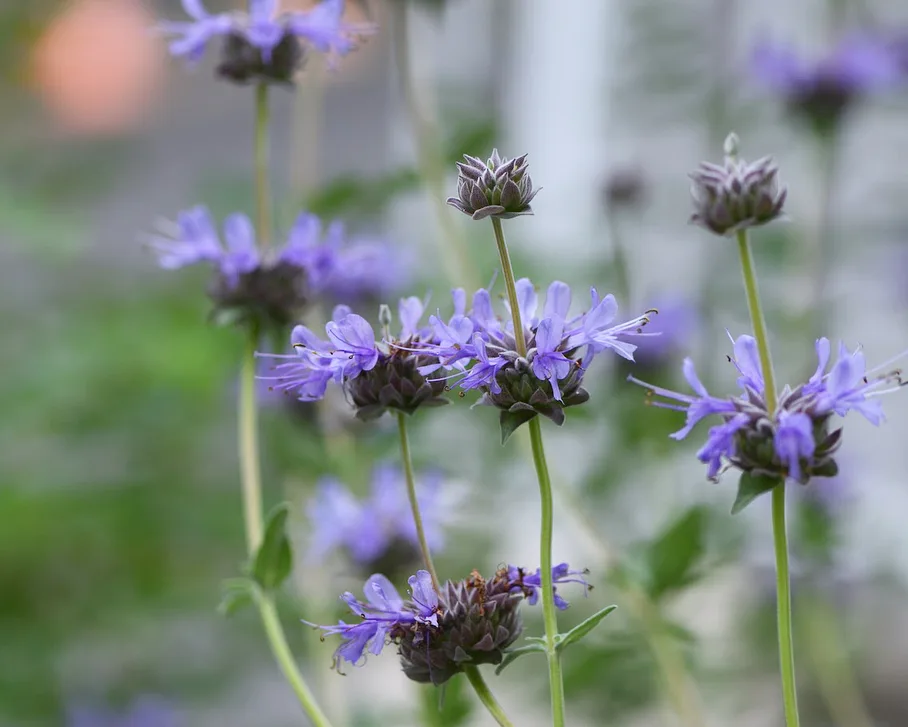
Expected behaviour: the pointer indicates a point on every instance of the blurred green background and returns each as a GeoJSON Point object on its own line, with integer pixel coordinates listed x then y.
{"type": "Point", "coordinates": [119, 499]}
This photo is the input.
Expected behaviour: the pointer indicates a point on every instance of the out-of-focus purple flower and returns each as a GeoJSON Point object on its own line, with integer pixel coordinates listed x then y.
{"type": "Point", "coordinates": [821, 90]}
{"type": "Point", "coordinates": [144, 712]}
{"type": "Point", "coordinates": [677, 323]}
{"type": "Point", "coordinates": [341, 267]}
{"type": "Point", "coordinates": [373, 531]}
{"type": "Point", "coordinates": [270, 287]}
{"type": "Point", "coordinates": [467, 622]}
{"type": "Point", "coordinates": [794, 441]}
{"type": "Point", "coordinates": [261, 43]}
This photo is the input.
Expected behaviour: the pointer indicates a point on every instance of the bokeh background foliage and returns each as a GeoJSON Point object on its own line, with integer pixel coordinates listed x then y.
{"type": "Point", "coordinates": [119, 502]}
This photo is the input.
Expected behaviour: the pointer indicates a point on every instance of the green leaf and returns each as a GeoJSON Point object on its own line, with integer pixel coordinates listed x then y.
{"type": "Point", "coordinates": [238, 593]}
{"type": "Point", "coordinates": [512, 654]}
{"type": "Point", "coordinates": [511, 421]}
{"type": "Point", "coordinates": [582, 629]}
{"type": "Point", "coordinates": [750, 487]}
{"type": "Point", "coordinates": [672, 558]}
{"type": "Point", "coordinates": [274, 558]}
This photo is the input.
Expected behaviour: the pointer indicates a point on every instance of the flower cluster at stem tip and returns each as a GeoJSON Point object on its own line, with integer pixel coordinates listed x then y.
{"type": "Point", "coordinates": [378, 534]}
{"type": "Point", "coordinates": [795, 441]}
{"type": "Point", "coordinates": [261, 44]}
{"type": "Point", "coordinates": [273, 287]}
{"type": "Point", "coordinates": [475, 348]}
{"type": "Point", "coordinates": [467, 622]}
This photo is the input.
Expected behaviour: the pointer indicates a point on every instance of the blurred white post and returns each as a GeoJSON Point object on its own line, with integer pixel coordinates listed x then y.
{"type": "Point", "coordinates": [454, 49]}
{"type": "Point", "coordinates": [555, 92]}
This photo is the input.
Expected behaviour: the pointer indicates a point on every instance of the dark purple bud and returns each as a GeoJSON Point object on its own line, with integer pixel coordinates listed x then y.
{"type": "Point", "coordinates": [497, 188]}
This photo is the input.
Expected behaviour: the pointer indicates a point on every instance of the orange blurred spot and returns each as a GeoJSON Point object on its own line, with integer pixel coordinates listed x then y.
{"type": "Point", "coordinates": [98, 65]}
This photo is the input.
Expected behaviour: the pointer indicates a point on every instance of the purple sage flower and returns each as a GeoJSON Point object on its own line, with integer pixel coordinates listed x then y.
{"type": "Point", "coordinates": [479, 350]}
{"type": "Point", "coordinates": [469, 622]}
{"type": "Point", "coordinates": [795, 441]}
{"type": "Point", "coordinates": [377, 375]}
{"type": "Point", "coordinates": [821, 90]}
{"type": "Point", "coordinates": [144, 712]}
{"type": "Point", "coordinates": [378, 533]}
{"type": "Point", "coordinates": [268, 287]}
{"type": "Point", "coordinates": [262, 44]}
{"type": "Point", "coordinates": [677, 323]}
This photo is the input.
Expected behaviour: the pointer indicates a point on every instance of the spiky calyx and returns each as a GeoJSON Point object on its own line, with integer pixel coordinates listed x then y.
{"type": "Point", "coordinates": [736, 195]}
{"type": "Point", "coordinates": [268, 297]}
{"type": "Point", "coordinates": [244, 63]}
{"type": "Point", "coordinates": [755, 451]}
{"type": "Point", "coordinates": [497, 188]}
{"type": "Point", "coordinates": [477, 621]}
{"type": "Point", "coordinates": [394, 383]}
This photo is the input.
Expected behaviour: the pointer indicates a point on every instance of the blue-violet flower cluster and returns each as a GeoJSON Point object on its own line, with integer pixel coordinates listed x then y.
{"type": "Point", "coordinates": [474, 347]}
{"type": "Point", "coordinates": [261, 44]}
{"type": "Point", "coordinates": [469, 622]}
{"type": "Point", "coordinates": [257, 285]}
{"type": "Point", "coordinates": [376, 375]}
{"type": "Point", "coordinates": [820, 92]}
{"type": "Point", "coordinates": [795, 441]}
{"type": "Point", "coordinates": [377, 534]}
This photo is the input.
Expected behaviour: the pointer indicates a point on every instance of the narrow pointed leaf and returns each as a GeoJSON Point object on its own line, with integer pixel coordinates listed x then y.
{"type": "Point", "coordinates": [583, 628]}
{"type": "Point", "coordinates": [512, 654]}
{"type": "Point", "coordinates": [750, 487]}
{"type": "Point", "coordinates": [510, 421]}
{"type": "Point", "coordinates": [672, 559]}
{"type": "Point", "coordinates": [274, 558]}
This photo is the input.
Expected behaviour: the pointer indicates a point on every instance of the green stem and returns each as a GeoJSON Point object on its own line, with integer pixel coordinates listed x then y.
{"type": "Point", "coordinates": [414, 503]}
{"type": "Point", "coordinates": [783, 591]}
{"type": "Point", "coordinates": [556, 680]}
{"type": "Point", "coordinates": [262, 186]}
{"type": "Point", "coordinates": [510, 285]}
{"type": "Point", "coordinates": [250, 465]}
{"type": "Point", "coordinates": [285, 660]}
{"type": "Point", "coordinates": [249, 449]}
{"type": "Point", "coordinates": [549, 614]}
{"type": "Point", "coordinates": [780, 537]}
{"type": "Point", "coordinates": [756, 316]}
{"type": "Point", "coordinates": [486, 697]}
{"type": "Point", "coordinates": [482, 689]}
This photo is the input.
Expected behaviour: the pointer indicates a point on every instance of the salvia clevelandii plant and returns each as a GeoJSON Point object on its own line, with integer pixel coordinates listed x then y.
{"type": "Point", "coordinates": [526, 358]}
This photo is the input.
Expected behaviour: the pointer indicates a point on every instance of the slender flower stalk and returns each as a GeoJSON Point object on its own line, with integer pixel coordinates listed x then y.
{"type": "Point", "coordinates": [414, 503]}
{"type": "Point", "coordinates": [284, 658]}
{"type": "Point", "coordinates": [262, 183]}
{"type": "Point", "coordinates": [249, 449]}
{"type": "Point", "coordinates": [556, 680]}
{"type": "Point", "coordinates": [485, 696]}
{"type": "Point", "coordinates": [248, 437]}
{"type": "Point", "coordinates": [780, 536]}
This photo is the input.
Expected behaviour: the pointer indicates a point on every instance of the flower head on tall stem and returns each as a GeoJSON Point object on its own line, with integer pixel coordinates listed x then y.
{"type": "Point", "coordinates": [376, 375]}
{"type": "Point", "coordinates": [736, 195]}
{"type": "Point", "coordinates": [791, 438]}
{"type": "Point", "coordinates": [470, 622]}
{"type": "Point", "coordinates": [821, 91]}
{"type": "Point", "coordinates": [482, 353]}
{"type": "Point", "coordinates": [378, 534]}
{"type": "Point", "coordinates": [262, 44]}
{"type": "Point", "coordinates": [253, 285]}
{"type": "Point", "coordinates": [499, 187]}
